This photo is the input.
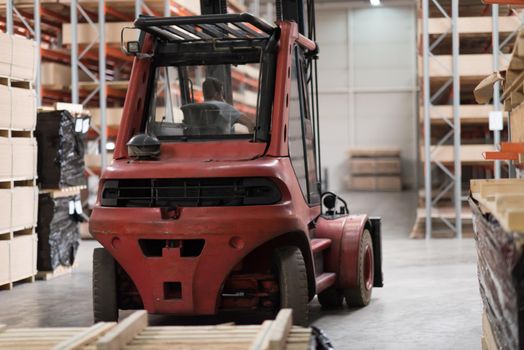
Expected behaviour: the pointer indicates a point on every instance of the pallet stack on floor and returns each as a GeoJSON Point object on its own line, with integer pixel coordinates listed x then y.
{"type": "Point", "coordinates": [134, 333]}
{"type": "Point", "coordinates": [374, 169]}
{"type": "Point", "coordinates": [475, 62]}
{"type": "Point", "coordinates": [18, 156]}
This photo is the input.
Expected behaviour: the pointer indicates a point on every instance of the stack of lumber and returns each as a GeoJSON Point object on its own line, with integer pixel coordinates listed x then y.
{"type": "Point", "coordinates": [374, 169]}
{"type": "Point", "coordinates": [498, 214]}
{"type": "Point", "coordinates": [134, 333]}
{"type": "Point", "coordinates": [18, 191]}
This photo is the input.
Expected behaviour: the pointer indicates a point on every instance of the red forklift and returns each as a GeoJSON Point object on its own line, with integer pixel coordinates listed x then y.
{"type": "Point", "coordinates": [213, 201]}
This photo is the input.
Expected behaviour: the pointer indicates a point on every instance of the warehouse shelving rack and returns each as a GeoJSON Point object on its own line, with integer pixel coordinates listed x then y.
{"type": "Point", "coordinates": [448, 152]}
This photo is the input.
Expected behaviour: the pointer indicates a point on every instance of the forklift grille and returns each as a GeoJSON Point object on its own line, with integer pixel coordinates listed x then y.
{"type": "Point", "coordinates": [173, 193]}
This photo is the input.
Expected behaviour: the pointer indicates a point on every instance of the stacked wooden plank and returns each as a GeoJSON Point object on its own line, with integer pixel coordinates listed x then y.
{"type": "Point", "coordinates": [498, 214]}
{"type": "Point", "coordinates": [18, 191]}
{"type": "Point", "coordinates": [374, 169]}
{"type": "Point", "coordinates": [134, 333]}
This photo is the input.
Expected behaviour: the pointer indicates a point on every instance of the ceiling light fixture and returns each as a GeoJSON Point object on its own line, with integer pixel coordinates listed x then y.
{"type": "Point", "coordinates": [375, 2]}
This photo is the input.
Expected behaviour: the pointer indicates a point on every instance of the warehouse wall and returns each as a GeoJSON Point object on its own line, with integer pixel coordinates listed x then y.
{"type": "Point", "coordinates": [367, 83]}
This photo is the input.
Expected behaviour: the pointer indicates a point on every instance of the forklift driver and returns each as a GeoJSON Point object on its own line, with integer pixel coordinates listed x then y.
{"type": "Point", "coordinates": [214, 93]}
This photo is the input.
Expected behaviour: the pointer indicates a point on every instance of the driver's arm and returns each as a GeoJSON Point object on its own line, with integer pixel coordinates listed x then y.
{"type": "Point", "coordinates": [247, 122]}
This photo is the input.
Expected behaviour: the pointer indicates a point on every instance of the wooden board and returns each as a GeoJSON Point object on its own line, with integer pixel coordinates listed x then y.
{"type": "Point", "coordinates": [473, 25]}
{"type": "Point", "coordinates": [24, 157]}
{"type": "Point", "coordinates": [58, 272]}
{"type": "Point", "coordinates": [133, 333]}
{"type": "Point", "coordinates": [359, 152]}
{"type": "Point", "coordinates": [487, 339]}
{"type": "Point", "coordinates": [64, 192]}
{"type": "Point", "coordinates": [374, 166]}
{"type": "Point", "coordinates": [374, 183]}
{"type": "Point", "coordinates": [473, 65]}
{"type": "Point", "coordinates": [24, 58]}
{"type": "Point", "coordinates": [468, 153]}
{"type": "Point", "coordinates": [504, 199]}
{"type": "Point", "coordinates": [469, 114]}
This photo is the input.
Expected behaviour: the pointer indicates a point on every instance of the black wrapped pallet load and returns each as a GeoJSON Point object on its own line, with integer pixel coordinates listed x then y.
{"type": "Point", "coordinates": [58, 235]}
{"type": "Point", "coordinates": [60, 150]}
{"type": "Point", "coordinates": [501, 278]}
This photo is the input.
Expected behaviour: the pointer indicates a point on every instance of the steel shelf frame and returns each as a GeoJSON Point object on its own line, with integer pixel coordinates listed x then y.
{"type": "Point", "coordinates": [453, 175]}
{"type": "Point", "coordinates": [35, 31]}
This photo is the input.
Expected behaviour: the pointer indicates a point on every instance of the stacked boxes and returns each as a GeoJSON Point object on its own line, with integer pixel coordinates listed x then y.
{"type": "Point", "coordinates": [61, 177]}
{"type": "Point", "coordinates": [18, 152]}
{"type": "Point", "coordinates": [373, 169]}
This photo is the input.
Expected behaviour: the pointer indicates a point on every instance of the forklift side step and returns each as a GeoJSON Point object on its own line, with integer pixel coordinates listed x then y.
{"type": "Point", "coordinates": [325, 280]}
{"type": "Point", "coordinates": [320, 244]}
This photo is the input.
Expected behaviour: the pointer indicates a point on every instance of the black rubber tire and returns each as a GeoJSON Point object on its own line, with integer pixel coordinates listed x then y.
{"type": "Point", "coordinates": [105, 304]}
{"type": "Point", "coordinates": [289, 264]}
{"type": "Point", "coordinates": [360, 295]}
{"type": "Point", "coordinates": [331, 298]}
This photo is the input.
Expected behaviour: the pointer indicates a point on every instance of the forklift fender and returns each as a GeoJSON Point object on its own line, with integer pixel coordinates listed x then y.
{"type": "Point", "coordinates": [345, 233]}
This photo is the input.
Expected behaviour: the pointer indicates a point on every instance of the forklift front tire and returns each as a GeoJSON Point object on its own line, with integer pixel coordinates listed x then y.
{"type": "Point", "coordinates": [105, 304]}
{"type": "Point", "coordinates": [292, 275]}
{"type": "Point", "coordinates": [360, 295]}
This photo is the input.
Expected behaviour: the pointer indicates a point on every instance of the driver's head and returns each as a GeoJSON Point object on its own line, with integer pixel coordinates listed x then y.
{"type": "Point", "coordinates": [212, 89]}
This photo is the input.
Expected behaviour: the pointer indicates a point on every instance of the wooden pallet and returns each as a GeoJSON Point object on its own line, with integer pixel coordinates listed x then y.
{"type": "Point", "coordinates": [134, 332]}
{"type": "Point", "coordinates": [59, 271]}
{"type": "Point", "coordinates": [439, 228]}
{"type": "Point", "coordinates": [63, 192]}
{"type": "Point", "coordinates": [504, 199]}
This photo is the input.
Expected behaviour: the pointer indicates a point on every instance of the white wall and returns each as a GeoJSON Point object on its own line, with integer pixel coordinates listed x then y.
{"type": "Point", "coordinates": [367, 83]}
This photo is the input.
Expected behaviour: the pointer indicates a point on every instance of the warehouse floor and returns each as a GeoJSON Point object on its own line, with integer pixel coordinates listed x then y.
{"type": "Point", "coordinates": [430, 299]}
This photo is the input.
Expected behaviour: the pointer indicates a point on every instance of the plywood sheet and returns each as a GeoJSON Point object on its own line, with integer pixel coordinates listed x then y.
{"type": "Point", "coordinates": [24, 205]}
{"type": "Point", "coordinates": [23, 257]}
{"type": "Point", "coordinates": [23, 116]}
{"type": "Point", "coordinates": [5, 54]}
{"type": "Point", "coordinates": [24, 58]}
{"type": "Point", "coordinates": [4, 262]}
{"type": "Point", "coordinates": [5, 213]}
{"type": "Point", "coordinates": [477, 65]}
{"type": "Point", "coordinates": [5, 106]}
{"type": "Point", "coordinates": [6, 159]}
{"type": "Point", "coordinates": [24, 157]}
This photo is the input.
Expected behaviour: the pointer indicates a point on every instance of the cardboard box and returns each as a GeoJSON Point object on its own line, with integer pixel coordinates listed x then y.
{"type": "Point", "coordinates": [59, 75]}
{"type": "Point", "coordinates": [23, 257]}
{"type": "Point", "coordinates": [24, 204]}
{"type": "Point", "coordinates": [5, 276]}
{"type": "Point", "coordinates": [5, 54]}
{"type": "Point", "coordinates": [5, 106]}
{"type": "Point", "coordinates": [24, 59]}
{"type": "Point", "coordinates": [113, 116]}
{"type": "Point", "coordinates": [86, 34]}
{"type": "Point", "coordinates": [5, 213]}
{"type": "Point", "coordinates": [6, 159]}
{"type": "Point", "coordinates": [374, 183]}
{"type": "Point", "coordinates": [373, 166]}
{"type": "Point", "coordinates": [23, 110]}
{"type": "Point", "coordinates": [24, 157]}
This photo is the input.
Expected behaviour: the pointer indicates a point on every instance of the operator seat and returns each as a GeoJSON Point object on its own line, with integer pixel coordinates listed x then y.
{"type": "Point", "coordinates": [204, 119]}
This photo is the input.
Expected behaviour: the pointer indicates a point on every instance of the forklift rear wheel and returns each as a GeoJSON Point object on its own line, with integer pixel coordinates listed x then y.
{"type": "Point", "coordinates": [105, 307]}
{"type": "Point", "coordinates": [361, 294]}
{"type": "Point", "coordinates": [289, 264]}
{"type": "Point", "coordinates": [331, 298]}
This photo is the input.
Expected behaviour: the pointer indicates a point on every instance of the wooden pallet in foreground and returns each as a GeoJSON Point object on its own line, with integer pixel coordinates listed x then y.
{"type": "Point", "coordinates": [504, 199]}
{"type": "Point", "coordinates": [134, 333]}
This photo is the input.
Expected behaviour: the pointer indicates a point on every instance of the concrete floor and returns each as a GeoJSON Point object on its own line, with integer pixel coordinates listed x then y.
{"type": "Point", "coordinates": [430, 299]}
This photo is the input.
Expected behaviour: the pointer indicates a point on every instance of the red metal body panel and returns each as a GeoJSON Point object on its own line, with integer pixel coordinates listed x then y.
{"type": "Point", "coordinates": [345, 233]}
